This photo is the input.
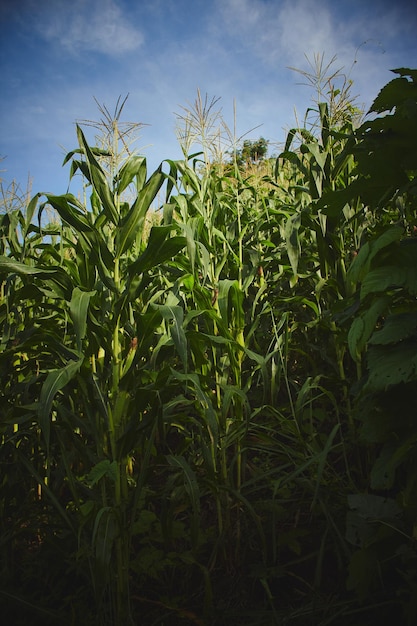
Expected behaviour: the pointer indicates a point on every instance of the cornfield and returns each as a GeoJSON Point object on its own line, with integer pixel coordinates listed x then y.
{"type": "Point", "coordinates": [207, 411]}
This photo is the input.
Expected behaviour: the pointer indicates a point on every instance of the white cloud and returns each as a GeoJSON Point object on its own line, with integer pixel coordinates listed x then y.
{"type": "Point", "coordinates": [89, 25]}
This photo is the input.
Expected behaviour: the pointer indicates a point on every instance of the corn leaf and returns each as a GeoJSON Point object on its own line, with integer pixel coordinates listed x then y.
{"type": "Point", "coordinates": [78, 310]}
{"type": "Point", "coordinates": [131, 226]}
{"type": "Point", "coordinates": [160, 248]}
{"type": "Point", "coordinates": [98, 179]}
{"type": "Point", "coordinates": [135, 167]}
{"type": "Point", "coordinates": [55, 381]}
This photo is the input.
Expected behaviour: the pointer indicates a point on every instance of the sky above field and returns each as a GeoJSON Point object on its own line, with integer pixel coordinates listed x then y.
{"type": "Point", "coordinates": [58, 56]}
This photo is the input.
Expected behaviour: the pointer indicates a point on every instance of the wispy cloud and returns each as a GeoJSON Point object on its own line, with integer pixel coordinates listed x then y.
{"type": "Point", "coordinates": [89, 25]}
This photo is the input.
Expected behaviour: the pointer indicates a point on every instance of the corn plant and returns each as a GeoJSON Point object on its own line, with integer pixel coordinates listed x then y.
{"type": "Point", "coordinates": [90, 303]}
{"type": "Point", "coordinates": [191, 411]}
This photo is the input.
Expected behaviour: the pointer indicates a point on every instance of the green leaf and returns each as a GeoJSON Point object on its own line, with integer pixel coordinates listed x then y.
{"type": "Point", "coordinates": [230, 301]}
{"type": "Point", "coordinates": [105, 468]}
{"type": "Point", "coordinates": [320, 157]}
{"type": "Point", "coordinates": [292, 226]}
{"type": "Point", "coordinates": [55, 381]}
{"type": "Point", "coordinates": [56, 278]}
{"type": "Point", "coordinates": [98, 179]}
{"type": "Point", "coordinates": [135, 166]}
{"type": "Point", "coordinates": [9, 265]}
{"type": "Point", "coordinates": [131, 226]}
{"type": "Point", "coordinates": [391, 365]}
{"type": "Point", "coordinates": [369, 250]}
{"type": "Point", "coordinates": [192, 488]}
{"type": "Point", "coordinates": [364, 325]}
{"type": "Point", "coordinates": [397, 327]}
{"type": "Point", "coordinates": [105, 532]}
{"type": "Point", "coordinates": [382, 279]}
{"type": "Point", "coordinates": [174, 315]}
{"type": "Point", "coordinates": [71, 211]}
{"type": "Point", "coordinates": [160, 248]}
{"type": "Point", "coordinates": [78, 310]}
{"type": "Point", "coordinates": [394, 92]}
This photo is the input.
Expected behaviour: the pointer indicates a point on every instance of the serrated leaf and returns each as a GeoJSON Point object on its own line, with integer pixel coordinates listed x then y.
{"type": "Point", "coordinates": [391, 365]}
{"type": "Point", "coordinates": [393, 93]}
{"type": "Point", "coordinates": [397, 327]}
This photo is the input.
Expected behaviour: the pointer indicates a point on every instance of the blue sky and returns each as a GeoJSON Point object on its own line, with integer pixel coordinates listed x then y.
{"type": "Point", "coordinates": [56, 56]}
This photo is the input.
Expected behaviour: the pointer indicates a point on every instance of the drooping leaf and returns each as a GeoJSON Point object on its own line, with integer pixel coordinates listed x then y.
{"type": "Point", "coordinates": [135, 167]}
{"type": "Point", "coordinates": [364, 325]}
{"type": "Point", "coordinates": [71, 211]}
{"type": "Point", "coordinates": [105, 468]}
{"type": "Point", "coordinates": [80, 301]}
{"type": "Point", "coordinates": [55, 381]}
{"type": "Point", "coordinates": [174, 315]}
{"type": "Point", "coordinates": [160, 248]}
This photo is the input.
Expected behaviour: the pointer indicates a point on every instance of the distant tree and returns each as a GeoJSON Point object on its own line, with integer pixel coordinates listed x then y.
{"type": "Point", "coordinates": [252, 151]}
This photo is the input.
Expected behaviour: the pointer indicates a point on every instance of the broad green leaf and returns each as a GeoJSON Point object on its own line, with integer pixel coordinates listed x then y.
{"type": "Point", "coordinates": [55, 381]}
{"type": "Point", "coordinates": [71, 211]}
{"type": "Point", "coordinates": [391, 365]}
{"type": "Point", "coordinates": [160, 248]}
{"type": "Point", "coordinates": [78, 310]}
{"type": "Point", "coordinates": [105, 468]}
{"type": "Point", "coordinates": [397, 327]}
{"type": "Point", "coordinates": [369, 250]}
{"type": "Point", "coordinates": [320, 157]}
{"type": "Point", "coordinates": [230, 299]}
{"type": "Point", "coordinates": [174, 315]}
{"type": "Point", "coordinates": [98, 179]}
{"type": "Point", "coordinates": [135, 167]}
{"type": "Point", "coordinates": [394, 92]}
{"type": "Point", "coordinates": [130, 228]}
{"type": "Point", "coordinates": [364, 325]}
{"type": "Point", "coordinates": [55, 278]}
{"type": "Point", "coordinates": [384, 278]}
{"type": "Point", "coordinates": [10, 265]}
{"type": "Point", "coordinates": [30, 210]}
